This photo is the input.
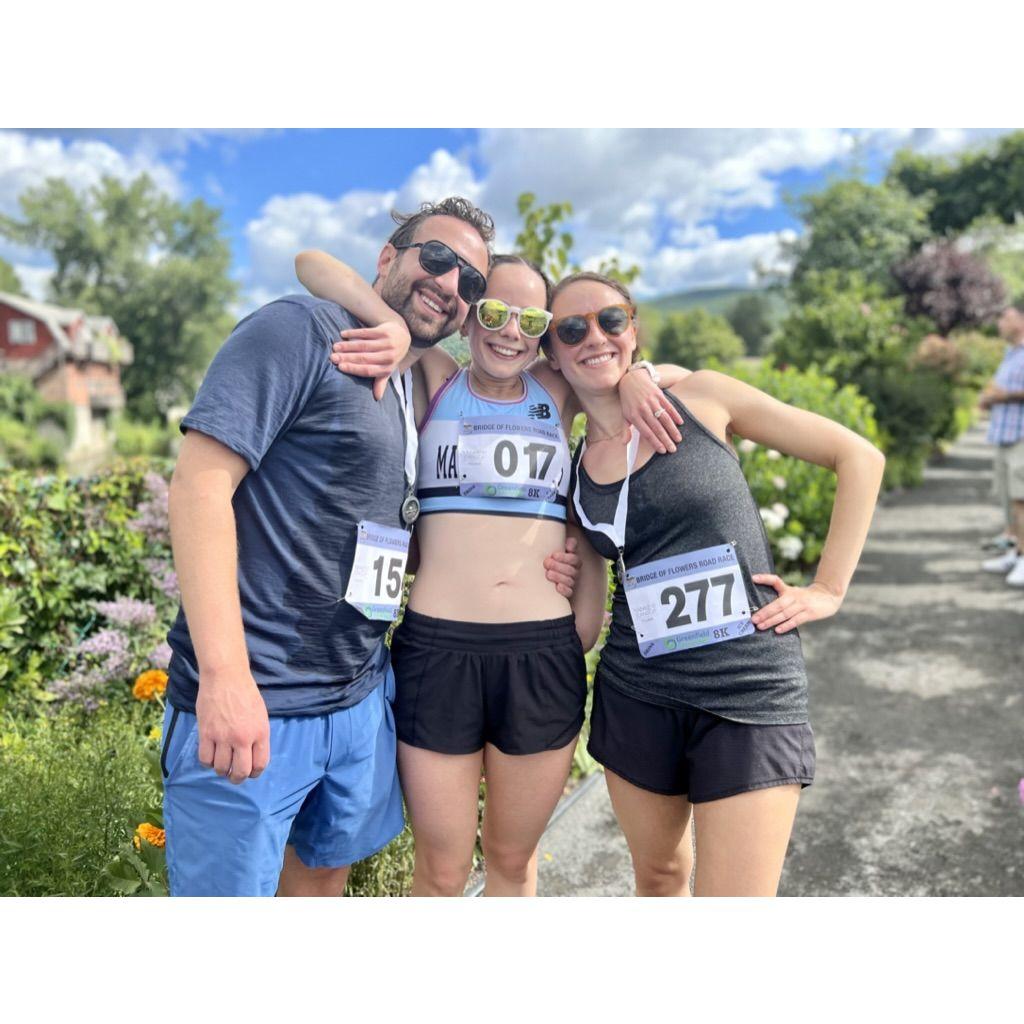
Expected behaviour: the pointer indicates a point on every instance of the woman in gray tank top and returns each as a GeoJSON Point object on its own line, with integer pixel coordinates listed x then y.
{"type": "Point", "coordinates": [700, 700]}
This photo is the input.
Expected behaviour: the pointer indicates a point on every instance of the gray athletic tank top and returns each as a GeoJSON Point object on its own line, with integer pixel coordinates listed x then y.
{"type": "Point", "coordinates": [693, 498]}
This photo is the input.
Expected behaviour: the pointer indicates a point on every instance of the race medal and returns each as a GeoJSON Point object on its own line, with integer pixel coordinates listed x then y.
{"type": "Point", "coordinates": [510, 457]}
{"type": "Point", "coordinates": [410, 510]}
{"type": "Point", "coordinates": [688, 601]}
{"type": "Point", "coordinates": [378, 570]}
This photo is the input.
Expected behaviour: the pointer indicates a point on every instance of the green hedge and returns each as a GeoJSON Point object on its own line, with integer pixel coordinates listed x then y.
{"type": "Point", "coordinates": [795, 497]}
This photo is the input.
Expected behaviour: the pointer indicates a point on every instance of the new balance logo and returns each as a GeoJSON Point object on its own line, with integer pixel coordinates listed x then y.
{"type": "Point", "coordinates": [540, 412]}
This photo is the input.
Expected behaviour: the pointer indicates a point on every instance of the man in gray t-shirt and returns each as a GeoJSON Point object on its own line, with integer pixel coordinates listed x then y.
{"type": "Point", "coordinates": [277, 682]}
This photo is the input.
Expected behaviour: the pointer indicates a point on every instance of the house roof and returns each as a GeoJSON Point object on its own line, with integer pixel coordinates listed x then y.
{"type": "Point", "coordinates": [78, 334]}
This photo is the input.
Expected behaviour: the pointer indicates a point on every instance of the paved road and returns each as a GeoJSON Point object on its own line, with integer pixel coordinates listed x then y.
{"type": "Point", "coordinates": [917, 703]}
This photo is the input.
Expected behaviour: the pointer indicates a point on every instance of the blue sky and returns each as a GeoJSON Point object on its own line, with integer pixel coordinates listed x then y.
{"type": "Point", "coordinates": [695, 208]}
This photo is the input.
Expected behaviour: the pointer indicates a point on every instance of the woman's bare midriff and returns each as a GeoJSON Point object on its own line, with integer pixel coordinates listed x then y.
{"type": "Point", "coordinates": [483, 568]}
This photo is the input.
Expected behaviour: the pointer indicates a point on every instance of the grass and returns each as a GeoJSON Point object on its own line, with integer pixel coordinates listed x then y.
{"type": "Point", "coordinates": [71, 787]}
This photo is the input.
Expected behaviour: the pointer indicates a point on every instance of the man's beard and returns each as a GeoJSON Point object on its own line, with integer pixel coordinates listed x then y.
{"type": "Point", "coordinates": [400, 295]}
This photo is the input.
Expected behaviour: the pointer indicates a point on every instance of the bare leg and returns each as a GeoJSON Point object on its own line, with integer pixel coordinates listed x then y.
{"type": "Point", "coordinates": [742, 840]}
{"type": "Point", "coordinates": [299, 880]}
{"type": "Point", "coordinates": [657, 829]}
{"type": "Point", "coordinates": [522, 791]}
{"type": "Point", "coordinates": [1018, 524]}
{"type": "Point", "coordinates": [441, 795]}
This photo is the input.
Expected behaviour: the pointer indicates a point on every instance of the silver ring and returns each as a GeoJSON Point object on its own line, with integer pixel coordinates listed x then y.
{"type": "Point", "coordinates": [659, 412]}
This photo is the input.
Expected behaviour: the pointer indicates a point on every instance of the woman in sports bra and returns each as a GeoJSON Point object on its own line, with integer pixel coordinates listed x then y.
{"type": "Point", "coordinates": [700, 701]}
{"type": "Point", "coordinates": [488, 662]}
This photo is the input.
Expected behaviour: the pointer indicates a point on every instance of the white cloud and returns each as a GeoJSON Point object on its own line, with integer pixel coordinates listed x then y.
{"type": "Point", "coordinates": [649, 196]}
{"type": "Point", "coordinates": [933, 141]}
{"type": "Point", "coordinates": [353, 227]}
{"type": "Point", "coordinates": [442, 175]}
{"type": "Point", "coordinates": [722, 262]}
{"type": "Point", "coordinates": [26, 161]}
{"type": "Point", "coordinates": [691, 173]}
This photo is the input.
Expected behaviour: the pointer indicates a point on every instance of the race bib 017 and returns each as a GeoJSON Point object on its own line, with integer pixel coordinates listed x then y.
{"type": "Point", "coordinates": [688, 601]}
{"type": "Point", "coordinates": [510, 457]}
{"type": "Point", "coordinates": [378, 570]}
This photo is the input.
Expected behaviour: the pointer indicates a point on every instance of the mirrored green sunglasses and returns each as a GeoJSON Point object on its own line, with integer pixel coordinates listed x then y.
{"type": "Point", "coordinates": [494, 314]}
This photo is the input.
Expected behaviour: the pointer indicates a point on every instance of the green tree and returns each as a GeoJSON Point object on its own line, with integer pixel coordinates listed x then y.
{"type": "Point", "coordinates": [695, 337]}
{"type": "Point", "coordinates": [157, 266]}
{"type": "Point", "coordinates": [844, 323]}
{"type": "Point", "coordinates": [9, 281]}
{"type": "Point", "coordinates": [855, 228]}
{"type": "Point", "coordinates": [544, 239]}
{"type": "Point", "coordinates": [960, 189]}
{"type": "Point", "coordinates": [750, 316]}
{"type": "Point", "coordinates": [1001, 246]}
{"type": "Point", "coordinates": [852, 331]}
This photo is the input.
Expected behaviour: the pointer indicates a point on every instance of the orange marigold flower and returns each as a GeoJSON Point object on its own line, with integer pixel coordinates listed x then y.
{"type": "Point", "coordinates": [150, 684]}
{"type": "Point", "coordinates": [153, 835]}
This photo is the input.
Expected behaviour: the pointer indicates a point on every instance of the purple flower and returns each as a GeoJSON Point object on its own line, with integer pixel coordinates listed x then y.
{"type": "Point", "coordinates": [110, 645]}
{"type": "Point", "coordinates": [79, 688]}
{"type": "Point", "coordinates": [165, 579]}
{"type": "Point", "coordinates": [160, 657]}
{"type": "Point", "coordinates": [127, 612]}
{"type": "Point", "coordinates": [151, 519]}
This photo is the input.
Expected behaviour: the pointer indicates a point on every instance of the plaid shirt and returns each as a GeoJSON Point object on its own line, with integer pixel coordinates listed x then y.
{"type": "Point", "coordinates": [1007, 423]}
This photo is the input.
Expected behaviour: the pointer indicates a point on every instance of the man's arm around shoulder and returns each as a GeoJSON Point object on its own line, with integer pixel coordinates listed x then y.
{"type": "Point", "coordinates": [234, 731]}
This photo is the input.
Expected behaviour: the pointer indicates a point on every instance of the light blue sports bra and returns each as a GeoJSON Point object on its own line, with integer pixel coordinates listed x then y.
{"type": "Point", "coordinates": [515, 459]}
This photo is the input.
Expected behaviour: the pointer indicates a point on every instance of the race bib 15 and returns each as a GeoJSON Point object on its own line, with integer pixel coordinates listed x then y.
{"type": "Point", "coordinates": [378, 570]}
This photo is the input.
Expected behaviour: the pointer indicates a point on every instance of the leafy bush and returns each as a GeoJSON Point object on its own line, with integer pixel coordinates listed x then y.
{"type": "Point", "coordinates": [33, 433]}
{"type": "Point", "coordinates": [980, 355]}
{"type": "Point", "coordinates": [951, 286]}
{"type": "Point", "coordinates": [695, 337]}
{"type": "Point", "coordinates": [135, 437]}
{"type": "Point", "coordinates": [858, 336]}
{"type": "Point", "coordinates": [795, 497]}
{"type": "Point", "coordinates": [73, 785]}
{"type": "Point", "coordinates": [67, 546]}
{"type": "Point", "coordinates": [751, 317]}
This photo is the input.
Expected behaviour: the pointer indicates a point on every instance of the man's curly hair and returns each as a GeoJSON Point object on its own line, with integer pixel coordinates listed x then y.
{"type": "Point", "coordinates": [453, 206]}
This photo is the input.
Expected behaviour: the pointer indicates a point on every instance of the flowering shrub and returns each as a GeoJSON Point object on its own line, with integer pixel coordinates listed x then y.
{"type": "Point", "coordinates": [795, 497]}
{"type": "Point", "coordinates": [67, 547]}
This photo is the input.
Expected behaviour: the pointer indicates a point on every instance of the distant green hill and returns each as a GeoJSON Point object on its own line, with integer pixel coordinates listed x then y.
{"type": "Point", "coordinates": [714, 300]}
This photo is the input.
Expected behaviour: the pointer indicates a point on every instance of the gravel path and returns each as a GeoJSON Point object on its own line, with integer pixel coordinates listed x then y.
{"type": "Point", "coordinates": [918, 713]}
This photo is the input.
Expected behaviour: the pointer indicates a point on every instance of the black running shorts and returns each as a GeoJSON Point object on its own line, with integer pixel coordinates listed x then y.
{"type": "Point", "coordinates": [520, 686]}
{"type": "Point", "coordinates": [677, 751]}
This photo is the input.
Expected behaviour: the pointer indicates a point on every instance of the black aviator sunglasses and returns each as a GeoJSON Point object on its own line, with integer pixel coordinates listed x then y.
{"type": "Point", "coordinates": [438, 259]}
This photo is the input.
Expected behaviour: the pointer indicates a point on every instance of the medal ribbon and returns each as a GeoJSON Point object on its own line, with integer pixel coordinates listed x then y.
{"type": "Point", "coordinates": [615, 531]}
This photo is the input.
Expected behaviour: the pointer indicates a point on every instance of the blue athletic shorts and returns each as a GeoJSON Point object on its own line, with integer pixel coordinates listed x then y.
{"type": "Point", "coordinates": [331, 790]}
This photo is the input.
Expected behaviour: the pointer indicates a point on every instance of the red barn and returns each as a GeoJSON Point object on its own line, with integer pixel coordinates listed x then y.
{"type": "Point", "coordinates": [71, 357]}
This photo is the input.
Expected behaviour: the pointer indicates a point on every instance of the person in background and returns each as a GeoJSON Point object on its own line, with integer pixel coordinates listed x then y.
{"type": "Point", "coordinates": [1004, 398]}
